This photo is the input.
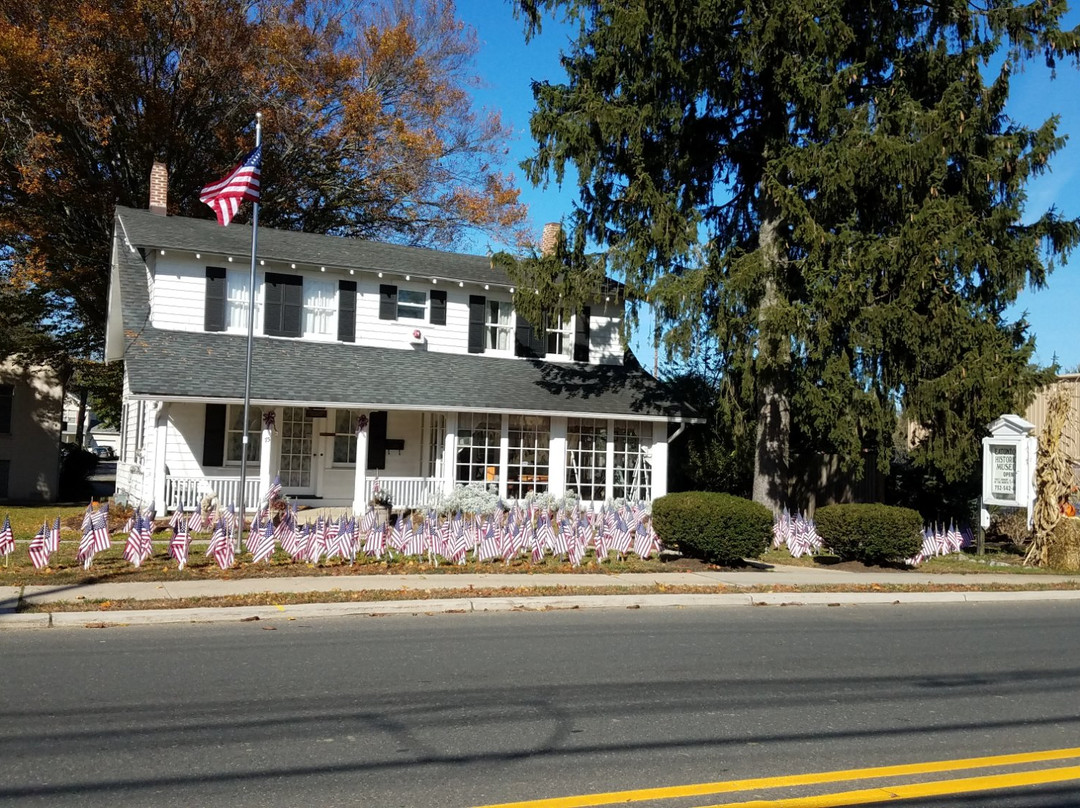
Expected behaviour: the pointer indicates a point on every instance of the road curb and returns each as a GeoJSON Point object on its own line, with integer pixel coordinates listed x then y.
{"type": "Point", "coordinates": [234, 614]}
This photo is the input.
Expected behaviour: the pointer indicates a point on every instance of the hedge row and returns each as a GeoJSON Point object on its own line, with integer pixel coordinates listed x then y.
{"type": "Point", "coordinates": [724, 529]}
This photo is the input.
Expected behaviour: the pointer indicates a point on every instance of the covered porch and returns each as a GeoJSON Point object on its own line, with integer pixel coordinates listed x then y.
{"type": "Point", "coordinates": [417, 458]}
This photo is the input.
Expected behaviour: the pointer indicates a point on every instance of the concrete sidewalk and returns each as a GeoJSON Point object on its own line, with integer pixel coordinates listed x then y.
{"type": "Point", "coordinates": [606, 586]}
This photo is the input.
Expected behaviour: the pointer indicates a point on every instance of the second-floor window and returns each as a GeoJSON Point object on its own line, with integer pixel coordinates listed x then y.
{"type": "Point", "coordinates": [497, 326]}
{"type": "Point", "coordinates": [560, 334]}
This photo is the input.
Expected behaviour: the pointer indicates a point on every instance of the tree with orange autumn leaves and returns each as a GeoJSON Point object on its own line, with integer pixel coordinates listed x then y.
{"type": "Point", "coordinates": [369, 129]}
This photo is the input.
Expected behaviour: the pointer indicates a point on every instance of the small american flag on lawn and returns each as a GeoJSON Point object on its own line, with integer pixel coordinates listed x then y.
{"type": "Point", "coordinates": [261, 543]}
{"type": "Point", "coordinates": [7, 537]}
{"type": "Point", "coordinates": [181, 542]}
{"type": "Point", "coordinates": [39, 551]}
{"type": "Point", "coordinates": [53, 542]}
{"type": "Point", "coordinates": [221, 547]}
{"type": "Point", "coordinates": [242, 183]}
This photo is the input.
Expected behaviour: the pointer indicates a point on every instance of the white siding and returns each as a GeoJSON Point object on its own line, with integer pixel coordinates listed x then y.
{"type": "Point", "coordinates": [605, 341]}
{"type": "Point", "coordinates": [178, 300]}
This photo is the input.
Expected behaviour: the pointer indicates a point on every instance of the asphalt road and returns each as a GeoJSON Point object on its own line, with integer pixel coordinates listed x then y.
{"type": "Point", "coordinates": [463, 710]}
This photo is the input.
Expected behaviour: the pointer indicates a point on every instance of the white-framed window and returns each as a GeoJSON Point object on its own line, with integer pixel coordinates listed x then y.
{"type": "Point", "coordinates": [478, 447]}
{"type": "Point", "coordinates": [560, 335]}
{"type": "Point", "coordinates": [529, 448]}
{"type": "Point", "coordinates": [320, 307]}
{"type": "Point", "coordinates": [237, 287]}
{"type": "Point", "coordinates": [234, 433]}
{"type": "Point", "coordinates": [498, 326]}
{"type": "Point", "coordinates": [586, 458]}
{"type": "Point", "coordinates": [411, 305]}
{"type": "Point", "coordinates": [345, 436]}
{"type": "Point", "coordinates": [632, 475]}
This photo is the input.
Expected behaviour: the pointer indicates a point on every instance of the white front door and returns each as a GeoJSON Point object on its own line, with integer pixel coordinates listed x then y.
{"type": "Point", "coordinates": [296, 461]}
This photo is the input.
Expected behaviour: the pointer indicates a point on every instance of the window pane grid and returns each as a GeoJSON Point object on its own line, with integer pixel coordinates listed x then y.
{"type": "Point", "coordinates": [234, 433]}
{"type": "Point", "coordinates": [586, 458]}
{"type": "Point", "coordinates": [632, 478]}
{"type": "Point", "coordinates": [478, 447]}
{"type": "Point", "coordinates": [345, 436]}
{"type": "Point", "coordinates": [530, 439]}
{"type": "Point", "coordinates": [320, 307]}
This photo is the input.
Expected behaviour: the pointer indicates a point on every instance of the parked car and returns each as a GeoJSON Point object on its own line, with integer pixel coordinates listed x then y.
{"type": "Point", "coordinates": [104, 452]}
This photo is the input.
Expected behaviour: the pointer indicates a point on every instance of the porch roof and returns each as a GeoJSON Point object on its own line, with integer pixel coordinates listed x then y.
{"type": "Point", "coordinates": [179, 365]}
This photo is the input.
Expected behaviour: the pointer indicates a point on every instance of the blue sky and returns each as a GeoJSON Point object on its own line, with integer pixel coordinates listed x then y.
{"type": "Point", "coordinates": [508, 66]}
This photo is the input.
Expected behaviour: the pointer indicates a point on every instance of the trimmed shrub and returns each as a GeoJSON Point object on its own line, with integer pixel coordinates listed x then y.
{"type": "Point", "coordinates": [870, 533]}
{"type": "Point", "coordinates": [718, 528]}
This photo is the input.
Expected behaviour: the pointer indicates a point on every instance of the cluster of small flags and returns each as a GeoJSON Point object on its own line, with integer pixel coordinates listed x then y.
{"type": "Point", "coordinates": [508, 534]}
{"type": "Point", "coordinates": [797, 533]}
{"type": "Point", "coordinates": [45, 542]}
{"type": "Point", "coordinates": [800, 536]}
{"type": "Point", "coordinates": [95, 534]}
{"type": "Point", "coordinates": [939, 541]}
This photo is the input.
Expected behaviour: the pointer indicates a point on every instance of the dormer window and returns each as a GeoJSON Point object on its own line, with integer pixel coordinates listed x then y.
{"type": "Point", "coordinates": [560, 335]}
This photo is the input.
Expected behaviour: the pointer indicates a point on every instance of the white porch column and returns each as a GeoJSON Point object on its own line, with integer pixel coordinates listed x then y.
{"type": "Point", "coordinates": [609, 462]}
{"type": "Point", "coordinates": [360, 497]}
{"type": "Point", "coordinates": [450, 454]}
{"type": "Point", "coordinates": [157, 472]}
{"type": "Point", "coordinates": [659, 459]}
{"type": "Point", "coordinates": [504, 455]}
{"type": "Point", "coordinates": [266, 454]}
{"type": "Point", "coordinates": [557, 457]}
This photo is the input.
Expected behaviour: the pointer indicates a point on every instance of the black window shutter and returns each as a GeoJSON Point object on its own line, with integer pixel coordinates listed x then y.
{"type": "Point", "coordinates": [272, 295]}
{"type": "Point", "coordinates": [581, 336]}
{"type": "Point", "coordinates": [527, 341]}
{"type": "Point", "coordinates": [387, 301]}
{"type": "Point", "coordinates": [346, 312]}
{"type": "Point", "coordinates": [438, 307]}
{"type": "Point", "coordinates": [214, 436]}
{"type": "Point", "coordinates": [376, 445]}
{"type": "Point", "coordinates": [284, 297]}
{"type": "Point", "coordinates": [477, 311]}
{"type": "Point", "coordinates": [292, 307]}
{"type": "Point", "coordinates": [215, 299]}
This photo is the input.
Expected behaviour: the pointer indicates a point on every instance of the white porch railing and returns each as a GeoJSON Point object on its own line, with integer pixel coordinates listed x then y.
{"type": "Point", "coordinates": [189, 491]}
{"type": "Point", "coordinates": [408, 492]}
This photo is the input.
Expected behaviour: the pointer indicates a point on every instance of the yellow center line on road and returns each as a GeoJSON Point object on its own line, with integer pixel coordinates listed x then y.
{"type": "Point", "coordinates": [786, 781]}
{"type": "Point", "coordinates": [912, 791]}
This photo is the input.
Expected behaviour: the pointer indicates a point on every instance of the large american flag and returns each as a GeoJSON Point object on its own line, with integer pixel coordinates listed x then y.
{"type": "Point", "coordinates": [225, 195]}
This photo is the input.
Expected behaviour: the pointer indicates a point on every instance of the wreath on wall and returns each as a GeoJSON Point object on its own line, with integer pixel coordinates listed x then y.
{"type": "Point", "coordinates": [361, 423]}
{"type": "Point", "coordinates": [270, 420]}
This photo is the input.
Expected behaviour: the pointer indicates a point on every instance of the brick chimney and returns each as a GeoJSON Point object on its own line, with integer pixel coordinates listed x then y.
{"type": "Point", "coordinates": [159, 189]}
{"type": "Point", "coordinates": [550, 238]}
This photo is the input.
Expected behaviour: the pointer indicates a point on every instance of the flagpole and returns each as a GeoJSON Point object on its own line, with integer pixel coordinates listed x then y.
{"type": "Point", "coordinates": [250, 342]}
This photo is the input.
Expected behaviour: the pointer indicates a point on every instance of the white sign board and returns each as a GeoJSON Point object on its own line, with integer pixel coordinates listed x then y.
{"type": "Point", "coordinates": [1003, 470]}
{"type": "Point", "coordinates": [1008, 466]}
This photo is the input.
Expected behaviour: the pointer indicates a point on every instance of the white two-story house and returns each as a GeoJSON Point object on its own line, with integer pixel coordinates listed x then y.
{"type": "Point", "coordinates": [372, 364]}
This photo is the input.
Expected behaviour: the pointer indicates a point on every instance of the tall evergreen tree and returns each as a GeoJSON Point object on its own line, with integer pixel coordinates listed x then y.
{"type": "Point", "coordinates": [834, 188]}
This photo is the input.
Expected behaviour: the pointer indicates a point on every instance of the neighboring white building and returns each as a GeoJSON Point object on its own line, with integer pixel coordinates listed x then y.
{"type": "Point", "coordinates": [95, 433]}
{"type": "Point", "coordinates": [30, 412]}
{"type": "Point", "coordinates": [371, 362]}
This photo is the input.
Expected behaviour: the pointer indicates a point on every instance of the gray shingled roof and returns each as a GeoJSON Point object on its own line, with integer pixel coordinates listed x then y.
{"type": "Point", "coordinates": [210, 366]}
{"type": "Point", "coordinates": [150, 230]}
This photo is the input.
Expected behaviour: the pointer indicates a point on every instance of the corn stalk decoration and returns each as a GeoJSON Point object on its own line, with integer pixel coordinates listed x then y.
{"type": "Point", "coordinates": [1053, 476]}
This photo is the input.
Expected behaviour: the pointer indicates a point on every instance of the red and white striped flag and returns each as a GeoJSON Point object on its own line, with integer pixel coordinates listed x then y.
{"type": "Point", "coordinates": [221, 546]}
{"type": "Point", "coordinates": [39, 550]}
{"type": "Point", "coordinates": [53, 541]}
{"type": "Point", "coordinates": [242, 183]}
{"type": "Point", "coordinates": [7, 537]}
